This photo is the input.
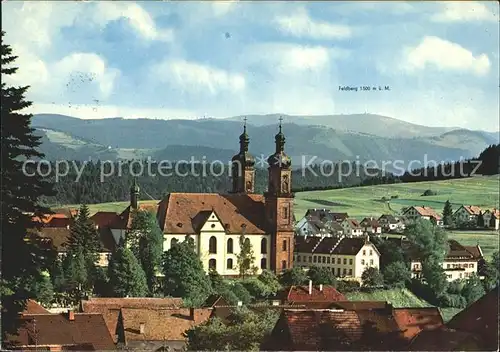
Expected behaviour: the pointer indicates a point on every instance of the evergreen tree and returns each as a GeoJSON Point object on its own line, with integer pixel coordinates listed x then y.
{"type": "Point", "coordinates": [76, 276]}
{"type": "Point", "coordinates": [184, 274]}
{"type": "Point", "coordinates": [84, 236]}
{"type": "Point", "coordinates": [246, 258]}
{"type": "Point", "coordinates": [447, 213]}
{"type": "Point", "coordinates": [126, 277]}
{"type": "Point", "coordinates": [480, 220]}
{"type": "Point", "coordinates": [146, 242]}
{"type": "Point", "coordinates": [43, 290]}
{"type": "Point", "coordinates": [21, 188]}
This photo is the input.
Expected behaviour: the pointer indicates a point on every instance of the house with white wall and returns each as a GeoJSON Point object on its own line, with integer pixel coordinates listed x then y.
{"type": "Point", "coordinates": [415, 212]}
{"type": "Point", "coordinates": [371, 226]}
{"type": "Point", "coordinates": [467, 213]}
{"type": "Point", "coordinates": [460, 262]}
{"type": "Point", "coordinates": [492, 218]}
{"type": "Point", "coordinates": [347, 257]}
{"type": "Point", "coordinates": [351, 227]}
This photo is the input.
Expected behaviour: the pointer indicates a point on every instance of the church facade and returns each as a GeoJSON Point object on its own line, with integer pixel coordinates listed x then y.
{"type": "Point", "coordinates": [217, 222]}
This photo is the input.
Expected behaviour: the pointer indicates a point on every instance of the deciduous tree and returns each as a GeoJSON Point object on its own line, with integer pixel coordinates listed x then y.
{"type": "Point", "coordinates": [246, 258]}
{"type": "Point", "coordinates": [372, 277]}
{"type": "Point", "coordinates": [320, 275]}
{"type": "Point", "coordinates": [293, 277]}
{"type": "Point", "coordinates": [397, 274]}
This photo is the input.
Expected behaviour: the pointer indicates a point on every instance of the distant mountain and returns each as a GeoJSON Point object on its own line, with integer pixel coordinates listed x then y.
{"type": "Point", "coordinates": [377, 125]}
{"type": "Point", "coordinates": [218, 139]}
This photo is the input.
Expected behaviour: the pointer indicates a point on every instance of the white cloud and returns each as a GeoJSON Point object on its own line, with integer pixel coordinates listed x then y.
{"type": "Point", "coordinates": [292, 58]}
{"type": "Point", "coordinates": [138, 18]}
{"type": "Point", "coordinates": [444, 55]}
{"type": "Point", "coordinates": [301, 25]}
{"type": "Point", "coordinates": [222, 8]}
{"type": "Point", "coordinates": [98, 111]}
{"type": "Point", "coordinates": [195, 77]}
{"type": "Point", "coordinates": [79, 76]}
{"type": "Point", "coordinates": [464, 11]}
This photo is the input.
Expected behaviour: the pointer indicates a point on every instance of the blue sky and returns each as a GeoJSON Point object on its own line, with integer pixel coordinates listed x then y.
{"type": "Point", "coordinates": [220, 59]}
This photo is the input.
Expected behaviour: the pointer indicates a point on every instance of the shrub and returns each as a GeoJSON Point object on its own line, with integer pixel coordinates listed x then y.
{"type": "Point", "coordinates": [429, 192]}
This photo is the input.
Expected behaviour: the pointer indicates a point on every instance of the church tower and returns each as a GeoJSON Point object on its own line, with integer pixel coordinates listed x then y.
{"type": "Point", "coordinates": [243, 171]}
{"type": "Point", "coordinates": [279, 206]}
{"type": "Point", "coordinates": [134, 195]}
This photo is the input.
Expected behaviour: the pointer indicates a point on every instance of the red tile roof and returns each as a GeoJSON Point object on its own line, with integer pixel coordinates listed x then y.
{"type": "Point", "coordinates": [298, 294]}
{"type": "Point", "coordinates": [473, 209]}
{"type": "Point", "coordinates": [481, 317]}
{"type": "Point", "coordinates": [32, 307]}
{"type": "Point", "coordinates": [56, 329]}
{"type": "Point", "coordinates": [353, 223]}
{"type": "Point", "coordinates": [370, 222]}
{"type": "Point", "coordinates": [413, 320]}
{"type": "Point", "coordinates": [427, 211]}
{"type": "Point", "coordinates": [107, 219]}
{"type": "Point", "coordinates": [110, 307]}
{"type": "Point", "coordinates": [161, 324]}
{"type": "Point", "coordinates": [178, 210]}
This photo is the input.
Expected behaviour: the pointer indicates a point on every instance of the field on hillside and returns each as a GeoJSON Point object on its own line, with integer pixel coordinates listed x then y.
{"type": "Point", "coordinates": [367, 201]}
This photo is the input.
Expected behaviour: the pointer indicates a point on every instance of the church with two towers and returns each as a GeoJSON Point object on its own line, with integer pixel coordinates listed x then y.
{"type": "Point", "coordinates": [217, 221]}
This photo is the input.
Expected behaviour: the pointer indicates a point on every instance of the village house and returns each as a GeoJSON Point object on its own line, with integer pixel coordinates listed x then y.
{"type": "Point", "coordinates": [415, 212]}
{"type": "Point", "coordinates": [346, 256]}
{"type": "Point", "coordinates": [368, 326]}
{"type": "Point", "coordinates": [351, 227]}
{"type": "Point", "coordinates": [53, 230]}
{"type": "Point", "coordinates": [391, 223]}
{"type": "Point", "coordinates": [467, 213]}
{"type": "Point", "coordinates": [371, 226]}
{"type": "Point", "coordinates": [312, 226]}
{"type": "Point", "coordinates": [217, 221]}
{"type": "Point", "coordinates": [39, 330]}
{"type": "Point", "coordinates": [460, 262]}
{"type": "Point", "coordinates": [492, 218]}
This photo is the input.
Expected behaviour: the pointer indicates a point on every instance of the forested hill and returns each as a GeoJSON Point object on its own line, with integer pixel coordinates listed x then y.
{"type": "Point", "coordinates": [98, 184]}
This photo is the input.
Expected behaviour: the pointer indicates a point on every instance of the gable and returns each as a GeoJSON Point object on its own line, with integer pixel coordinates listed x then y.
{"type": "Point", "coordinates": [212, 223]}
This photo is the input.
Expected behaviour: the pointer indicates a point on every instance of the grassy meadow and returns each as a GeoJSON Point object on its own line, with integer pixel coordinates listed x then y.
{"type": "Point", "coordinates": [367, 201]}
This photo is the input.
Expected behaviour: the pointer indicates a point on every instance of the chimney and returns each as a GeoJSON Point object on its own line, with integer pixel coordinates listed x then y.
{"type": "Point", "coordinates": [321, 287]}
{"type": "Point", "coordinates": [71, 315]}
{"type": "Point", "coordinates": [142, 327]}
{"type": "Point", "coordinates": [310, 287]}
{"type": "Point", "coordinates": [191, 313]}
{"type": "Point", "coordinates": [240, 303]}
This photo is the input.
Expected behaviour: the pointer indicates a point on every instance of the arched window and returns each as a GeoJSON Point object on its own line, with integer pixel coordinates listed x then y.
{"type": "Point", "coordinates": [230, 245]}
{"type": "Point", "coordinates": [212, 245]}
{"type": "Point", "coordinates": [283, 265]}
{"type": "Point", "coordinates": [263, 263]}
{"type": "Point", "coordinates": [212, 264]}
{"type": "Point", "coordinates": [263, 246]}
{"type": "Point", "coordinates": [173, 242]}
{"type": "Point", "coordinates": [229, 263]}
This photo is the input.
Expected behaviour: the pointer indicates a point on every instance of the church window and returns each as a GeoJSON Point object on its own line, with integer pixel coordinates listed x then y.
{"type": "Point", "coordinates": [285, 212]}
{"type": "Point", "coordinates": [263, 263]}
{"type": "Point", "coordinates": [212, 245]}
{"type": "Point", "coordinates": [212, 264]}
{"type": "Point", "coordinates": [173, 242]}
{"type": "Point", "coordinates": [230, 245]}
{"type": "Point", "coordinates": [284, 245]}
{"type": "Point", "coordinates": [283, 264]}
{"type": "Point", "coordinates": [229, 263]}
{"type": "Point", "coordinates": [263, 246]}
